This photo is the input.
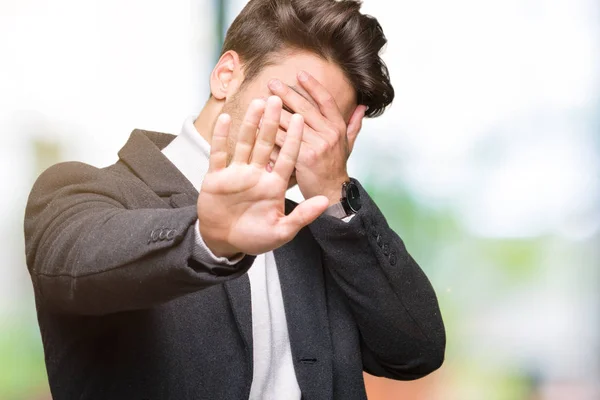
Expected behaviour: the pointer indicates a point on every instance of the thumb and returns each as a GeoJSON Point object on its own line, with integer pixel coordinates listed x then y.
{"type": "Point", "coordinates": [305, 213]}
{"type": "Point", "coordinates": [355, 124]}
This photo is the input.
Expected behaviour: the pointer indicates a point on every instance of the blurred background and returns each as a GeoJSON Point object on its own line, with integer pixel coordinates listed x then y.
{"type": "Point", "coordinates": [487, 165]}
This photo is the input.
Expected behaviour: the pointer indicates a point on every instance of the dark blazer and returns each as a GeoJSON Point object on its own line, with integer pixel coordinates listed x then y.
{"type": "Point", "coordinates": [126, 313]}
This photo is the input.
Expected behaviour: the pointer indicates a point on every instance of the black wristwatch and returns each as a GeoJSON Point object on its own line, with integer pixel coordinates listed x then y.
{"type": "Point", "coordinates": [349, 203]}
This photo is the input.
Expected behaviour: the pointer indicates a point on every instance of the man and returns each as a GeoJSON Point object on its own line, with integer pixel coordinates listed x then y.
{"type": "Point", "coordinates": [181, 272]}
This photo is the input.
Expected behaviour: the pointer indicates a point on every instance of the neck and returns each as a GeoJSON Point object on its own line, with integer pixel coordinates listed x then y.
{"type": "Point", "coordinates": [205, 122]}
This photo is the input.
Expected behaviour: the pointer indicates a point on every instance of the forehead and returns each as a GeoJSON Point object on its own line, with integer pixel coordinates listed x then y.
{"type": "Point", "coordinates": [287, 65]}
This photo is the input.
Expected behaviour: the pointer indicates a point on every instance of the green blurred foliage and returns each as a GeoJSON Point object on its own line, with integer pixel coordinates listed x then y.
{"type": "Point", "coordinates": [22, 369]}
{"type": "Point", "coordinates": [469, 273]}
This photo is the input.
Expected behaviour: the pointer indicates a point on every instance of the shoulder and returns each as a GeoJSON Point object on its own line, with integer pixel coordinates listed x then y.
{"type": "Point", "coordinates": [70, 175]}
{"type": "Point", "coordinates": [76, 182]}
{"type": "Point", "coordinates": [66, 173]}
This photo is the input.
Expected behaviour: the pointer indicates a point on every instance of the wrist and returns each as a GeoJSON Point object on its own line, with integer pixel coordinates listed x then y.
{"type": "Point", "coordinates": [222, 251]}
{"type": "Point", "coordinates": [334, 192]}
{"type": "Point", "coordinates": [219, 248]}
{"type": "Point", "coordinates": [333, 199]}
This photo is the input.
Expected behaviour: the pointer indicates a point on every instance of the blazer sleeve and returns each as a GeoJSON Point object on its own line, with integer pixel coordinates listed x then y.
{"type": "Point", "coordinates": [87, 253]}
{"type": "Point", "coordinates": [393, 302]}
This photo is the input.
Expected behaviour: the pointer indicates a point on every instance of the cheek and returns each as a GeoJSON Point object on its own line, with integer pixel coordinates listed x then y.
{"type": "Point", "coordinates": [236, 107]}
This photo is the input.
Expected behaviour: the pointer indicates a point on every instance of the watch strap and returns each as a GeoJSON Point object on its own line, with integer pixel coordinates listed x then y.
{"type": "Point", "coordinates": [336, 210]}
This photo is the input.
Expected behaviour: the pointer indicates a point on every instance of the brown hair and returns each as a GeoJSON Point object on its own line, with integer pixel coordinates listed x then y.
{"type": "Point", "coordinates": [334, 30]}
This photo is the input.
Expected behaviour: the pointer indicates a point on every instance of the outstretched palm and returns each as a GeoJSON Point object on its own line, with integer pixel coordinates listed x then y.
{"type": "Point", "coordinates": [241, 205]}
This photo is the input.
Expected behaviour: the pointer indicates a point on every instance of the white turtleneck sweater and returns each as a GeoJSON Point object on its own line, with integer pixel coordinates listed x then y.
{"type": "Point", "coordinates": [273, 376]}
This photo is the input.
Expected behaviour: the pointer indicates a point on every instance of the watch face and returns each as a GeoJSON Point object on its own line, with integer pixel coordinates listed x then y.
{"type": "Point", "coordinates": [353, 197]}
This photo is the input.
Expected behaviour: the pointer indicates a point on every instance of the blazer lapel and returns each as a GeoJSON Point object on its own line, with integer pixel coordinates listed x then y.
{"type": "Point", "coordinates": [238, 293]}
{"type": "Point", "coordinates": [301, 276]}
{"type": "Point", "coordinates": [142, 154]}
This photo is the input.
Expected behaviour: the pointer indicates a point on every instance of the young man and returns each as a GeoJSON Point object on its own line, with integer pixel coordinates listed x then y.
{"type": "Point", "coordinates": [181, 272]}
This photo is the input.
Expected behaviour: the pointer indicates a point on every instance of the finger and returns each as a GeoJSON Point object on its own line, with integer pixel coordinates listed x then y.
{"type": "Point", "coordinates": [299, 104]}
{"type": "Point", "coordinates": [304, 213]}
{"type": "Point", "coordinates": [355, 124]}
{"type": "Point", "coordinates": [218, 148]}
{"type": "Point", "coordinates": [268, 132]}
{"type": "Point", "coordinates": [247, 133]}
{"type": "Point", "coordinates": [309, 136]}
{"type": "Point", "coordinates": [280, 138]}
{"type": "Point", "coordinates": [288, 155]}
{"type": "Point", "coordinates": [286, 117]}
{"type": "Point", "coordinates": [325, 101]}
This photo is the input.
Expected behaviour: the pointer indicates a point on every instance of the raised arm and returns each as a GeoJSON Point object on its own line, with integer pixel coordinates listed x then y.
{"type": "Point", "coordinates": [393, 303]}
{"type": "Point", "coordinates": [89, 252]}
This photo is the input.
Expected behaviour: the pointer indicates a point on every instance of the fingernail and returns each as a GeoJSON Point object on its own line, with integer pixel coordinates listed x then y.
{"type": "Point", "coordinates": [275, 84]}
{"type": "Point", "coordinates": [302, 76]}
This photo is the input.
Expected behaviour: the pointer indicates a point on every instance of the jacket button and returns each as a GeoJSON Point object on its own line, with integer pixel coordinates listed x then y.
{"type": "Point", "coordinates": [163, 234]}
{"type": "Point", "coordinates": [386, 249]}
{"type": "Point", "coordinates": [379, 241]}
{"type": "Point", "coordinates": [171, 234]}
{"type": "Point", "coordinates": [154, 235]}
{"type": "Point", "coordinates": [392, 258]}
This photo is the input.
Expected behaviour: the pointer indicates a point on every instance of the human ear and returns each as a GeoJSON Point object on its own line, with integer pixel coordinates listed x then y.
{"type": "Point", "coordinates": [226, 76]}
